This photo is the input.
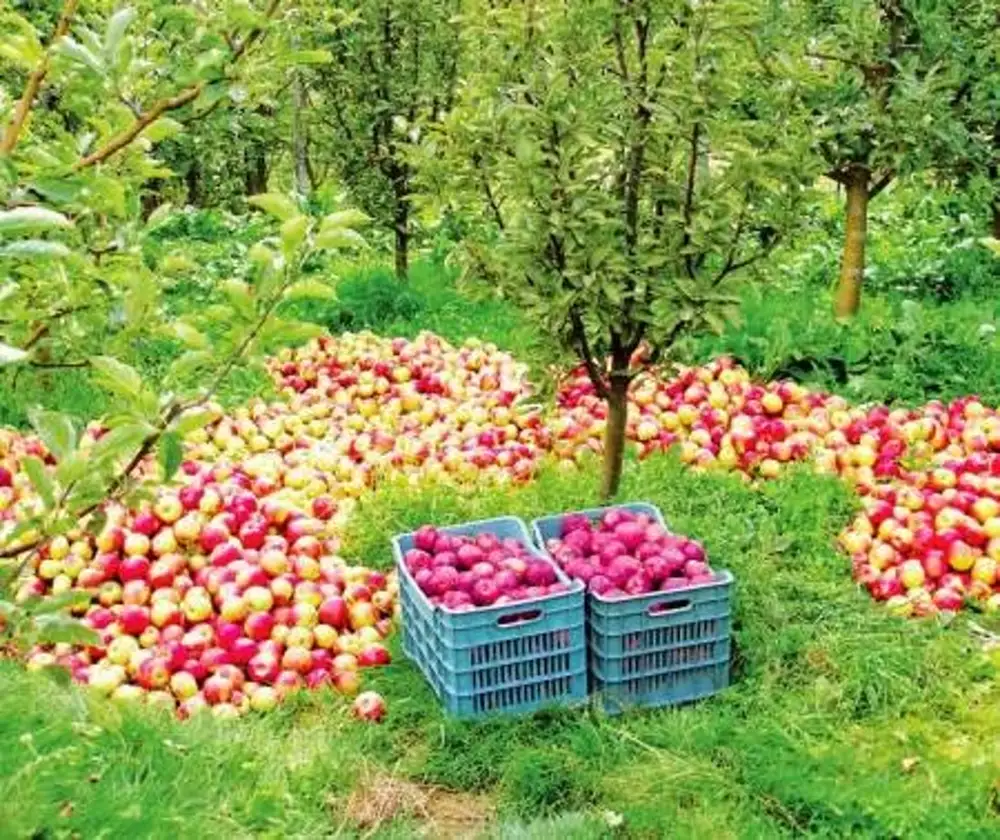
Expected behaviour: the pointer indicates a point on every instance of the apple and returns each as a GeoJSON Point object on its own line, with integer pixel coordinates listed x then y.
{"type": "Point", "coordinates": [369, 706]}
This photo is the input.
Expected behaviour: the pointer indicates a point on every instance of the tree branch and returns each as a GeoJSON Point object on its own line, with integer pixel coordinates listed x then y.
{"type": "Point", "coordinates": [883, 181]}
{"type": "Point", "coordinates": [689, 186]}
{"type": "Point", "coordinates": [146, 119]}
{"type": "Point", "coordinates": [583, 348]}
{"type": "Point", "coordinates": [255, 34]}
{"type": "Point", "coordinates": [34, 83]}
{"type": "Point", "coordinates": [171, 103]}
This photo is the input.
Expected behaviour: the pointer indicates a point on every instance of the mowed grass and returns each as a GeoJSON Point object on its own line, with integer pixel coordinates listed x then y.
{"type": "Point", "coordinates": [841, 720]}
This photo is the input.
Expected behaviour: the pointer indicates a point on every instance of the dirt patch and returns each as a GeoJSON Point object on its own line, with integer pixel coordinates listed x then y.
{"type": "Point", "coordinates": [443, 814]}
{"type": "Point", "coordinates": [453, 815]}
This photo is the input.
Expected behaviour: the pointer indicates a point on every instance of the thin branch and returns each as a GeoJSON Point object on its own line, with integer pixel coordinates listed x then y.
{"type": "Point", "coordinates": [147, 118]}
{"type": "Point", "coordinates": [883, 181]}
{"type": "Point", "coordinates": [583, 347]}
{"type": "Point", "coordinates": [254, 34]}
{"type": "Point", "coordinates": [171, 103]}
{"type": "Point", "coordinates": [60, 365]}
{"type": "Point", "coordinates": [491, 199]}
{"type": "Point", "coordinates": [689, 187]}
{"type": "Point", "coordinates": [34, 83]}
{"type": "Point", "coordinates": [733, 266]}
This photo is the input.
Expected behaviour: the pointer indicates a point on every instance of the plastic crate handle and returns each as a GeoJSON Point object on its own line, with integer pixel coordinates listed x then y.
{"type": "Point", "coordinates": [519, 619]}
{"type": "Point", "coordinates": [669, 607]}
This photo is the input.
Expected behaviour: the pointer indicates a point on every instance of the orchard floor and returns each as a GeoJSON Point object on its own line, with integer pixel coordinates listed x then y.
{"type": "Point", "coordinates": [841, 721]}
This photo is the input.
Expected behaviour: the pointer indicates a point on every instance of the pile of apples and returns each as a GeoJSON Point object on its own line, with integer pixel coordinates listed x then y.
{"type": "Point", "coordinates": [624, 553]}
{"type": "Point", "coordinates": [928, 477]}
{"type": "Point", "coordinates": [462, 573]}
{"type": "Point", "coordinates": [229, 591]}
{"type": "Point", "coordinates": [213, 596]}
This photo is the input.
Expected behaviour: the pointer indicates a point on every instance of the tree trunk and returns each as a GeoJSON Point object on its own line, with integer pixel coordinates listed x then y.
{"type": "Point", "coordinates": [192, 180]}
{"type": "Point", "coordinates": [996, 217]}
{"type": "Point", "coordinates": [152, 197]}
{"type": "Point", "coordinates": [255, 176]}
{"type": "Point", "coordinates": [401, 220]}
{"type": "Point", "coordinates": [852, 266]}
{"type": "Point", "coordinates": [300, 149]}
{"type": "Point", "coordinates": [614, 435]}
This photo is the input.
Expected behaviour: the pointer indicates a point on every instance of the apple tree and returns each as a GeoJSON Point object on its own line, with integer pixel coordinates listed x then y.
{"type": "Point", "coordinates": [878, 80]}
{"type": "Point", "coordinates": [628, 173]}
{"type": "Point", "coordinates": [92, 97]}
{"type": "Point", "coordinates": [393, 73]}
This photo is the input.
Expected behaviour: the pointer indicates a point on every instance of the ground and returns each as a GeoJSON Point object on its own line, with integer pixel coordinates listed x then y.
{"type": "Point", "coordinates": [841, 720]}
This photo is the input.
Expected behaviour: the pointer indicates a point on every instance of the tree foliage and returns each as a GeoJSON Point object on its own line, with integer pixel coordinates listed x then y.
{"type": "Point", "coordinates": [629, 170]}
{"type": "Point", "coordinates": [393, 74]}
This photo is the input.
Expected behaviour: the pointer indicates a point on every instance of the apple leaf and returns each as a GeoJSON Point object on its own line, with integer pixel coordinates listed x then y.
{"type": "Point", "coordinates": [277, 205]}
{"type": "Point", "coordinates": [170, 453]}
{"type": "Point", "coordinates": [31, 218]}
{"type": "Point", "coordinates": [61, 629]}
{"type": "Point", "coordinates": [34, 249]}
{"type": "Point", "coordinates": [11, 355]}
{"type": "Point", "coordinates": [117, 376]}
{"type": "Point", "coordinates": [55, 429]}
{"type": "Point", "coordinates": [40, 480]}
{"type": "Point", "coordinates": [311, 290]}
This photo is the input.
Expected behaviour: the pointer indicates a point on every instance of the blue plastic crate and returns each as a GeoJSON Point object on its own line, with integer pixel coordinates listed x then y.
{"type": "Point", "coordinates": [512, 658]}
{"type": "Point", "coordinates": [659, 649]}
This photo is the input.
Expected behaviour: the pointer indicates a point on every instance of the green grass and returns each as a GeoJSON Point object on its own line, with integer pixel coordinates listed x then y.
{"type": "Point", "coordinates": [831, 700]}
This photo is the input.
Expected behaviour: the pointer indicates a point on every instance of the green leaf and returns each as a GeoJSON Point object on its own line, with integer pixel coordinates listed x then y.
{"type": "Point", "coordinates": [261, 256]}
{"type": "Point", "coordinates": [11, 355]}
{"type": "Point", "coordinates": [117, 376]}
{"type": "Point", "coordinates": [344, 219]}
{"type": "Point", "coordinates": [159, 215]}
{"type": "Point", "coordinates": [115, 31]}
{"type": "Point", "coordinates": [60, 629]}
{"type": "Point", "coordinates": [293, 233]}
{"type": "Point", "coordinates": [239, 297]}
{"type": "Point", "coordinates": [59, 603]}
{"type": "Point", "coordinates": [20, 50]}
{"type": "Point", "coordinates": [22, 219]}
{"type": "Point", "coordinates": [277, 205]}
{"type": "Point", "coordinates": [310, 290]}
{"type": "Point", "coordinates": [55, 429]}
{"type": "Point", "coordinates": [170, 453]}
{"type": "Point", "coordinates": [71, 469]}
{"type": "Point", "coordinates": [193, 419]}
{"type": "Point", "coordinates": [121, 442]}
{"type": "Point", "coordinates": [177, 264]}
{"type": "Point", "coordinates": [307, 57]}
{"type": "Point", "coordinates": [188, 363]}
{"type": "Point", "coordinates": [340, 238]}
{"type": "Point", "coordinates": [189, 335]}
{"type": "Point", "coordinates": [34, 249]}
{"type": "Point", "coordinates": [163, 129]}
{"type": "Point", "coordinates": [77, 52]}
{"type": "Point", "coordinates": [40, 480]}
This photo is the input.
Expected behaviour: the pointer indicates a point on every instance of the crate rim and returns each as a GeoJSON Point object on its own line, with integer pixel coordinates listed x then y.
{"type": "Point", "coordinates": [575, 586]}
{"type": "Point", "coordinates": [723, 576]}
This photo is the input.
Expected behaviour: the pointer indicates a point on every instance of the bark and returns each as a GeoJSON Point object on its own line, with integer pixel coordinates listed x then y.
{"type": "Point", "coordinates": [996, 217]}
{"type": "Point", "coordinates": [255, 174]}
{"type": "Point", "coordinates": [34, 83]}
{"type": "Point", "coordinates": [847, 299]}
{"type": "Point", "coordinates": [152, 197]}
{"type": "Point", "coordinates": [401, 219]}
{"type": "Point", "coordinates": [300, 150]}
{"type": "Point", "coordinates": [614, 435]}
{"type": "Point", "coordinates": [192, 180]}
